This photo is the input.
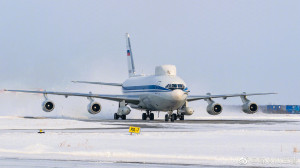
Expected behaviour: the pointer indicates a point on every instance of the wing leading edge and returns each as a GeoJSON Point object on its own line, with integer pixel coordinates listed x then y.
{"type": "Point", "coordinates": [99, 83]}
{"type": "Point", "coordinates": [134, 99]}
{"type": "Point", "coordinates": [209, 96]}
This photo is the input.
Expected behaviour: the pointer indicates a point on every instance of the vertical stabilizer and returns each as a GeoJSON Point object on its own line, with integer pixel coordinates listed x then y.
{"type": "Point", "coordinates": [131, 68]}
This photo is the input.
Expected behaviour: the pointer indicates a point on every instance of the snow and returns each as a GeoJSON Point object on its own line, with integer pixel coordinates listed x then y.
{"type": "Point", "coordinates": [272, 142]}
{"type": "Point", "coordinates": [9, 122]}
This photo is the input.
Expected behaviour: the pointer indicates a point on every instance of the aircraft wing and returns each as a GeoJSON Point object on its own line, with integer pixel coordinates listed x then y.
{"type": "Point", "coordinates": [135, 99]}
{"type": "Point", "coordinates": [208, 96]}
{"type": "Point", "coordinates": [99, 83]}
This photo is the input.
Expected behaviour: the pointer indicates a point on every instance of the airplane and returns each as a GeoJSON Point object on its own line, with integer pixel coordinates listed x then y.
{"type": "Point", "coordinates": [164, 91]}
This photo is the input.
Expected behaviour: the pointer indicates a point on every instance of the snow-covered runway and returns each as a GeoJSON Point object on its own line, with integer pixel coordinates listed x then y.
{"type": "Point", "coordinates": [261, 142]}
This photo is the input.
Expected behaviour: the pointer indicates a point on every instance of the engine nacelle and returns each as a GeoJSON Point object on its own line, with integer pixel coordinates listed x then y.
{"type": "Point", "coordinates": [250, 108]}
{"type": "Point", "coordinates": [94, 108]}
{"type": "Point", "coordinates": [124, 110]}
{"type": "Point", "coordinates": [214, 109]}
{"type": "Point", "coordinates": [48, 106]}
{"type": "Point", "coordinates": [186, 111]}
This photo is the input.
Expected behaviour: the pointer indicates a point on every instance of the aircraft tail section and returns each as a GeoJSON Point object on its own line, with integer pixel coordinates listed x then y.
{"type": "Point", "coordinates": [131, 68]}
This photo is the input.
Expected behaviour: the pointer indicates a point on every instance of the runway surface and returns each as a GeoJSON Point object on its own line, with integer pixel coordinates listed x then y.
{"type": "Point", "coordinates": [40, 163]}
{"type": "Point", "coordinates": [267, 142]}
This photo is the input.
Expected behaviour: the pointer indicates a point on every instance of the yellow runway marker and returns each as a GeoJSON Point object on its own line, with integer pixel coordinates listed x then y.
{"type": "Point", "coordinates": [134, 130]}
{"type": "Point", "coordinates": [41, 132]}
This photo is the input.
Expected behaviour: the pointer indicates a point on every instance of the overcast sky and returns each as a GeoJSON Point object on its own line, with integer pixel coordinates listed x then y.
{"type": "Point", "coordinates": [217, 46]}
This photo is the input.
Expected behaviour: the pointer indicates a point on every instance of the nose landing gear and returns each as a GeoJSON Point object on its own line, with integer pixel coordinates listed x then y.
{"type": "Point", "coordinates": [148, 114]}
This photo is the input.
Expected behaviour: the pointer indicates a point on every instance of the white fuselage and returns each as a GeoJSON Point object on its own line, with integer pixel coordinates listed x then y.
{"type": "Point", "coordinates": [154, 93]}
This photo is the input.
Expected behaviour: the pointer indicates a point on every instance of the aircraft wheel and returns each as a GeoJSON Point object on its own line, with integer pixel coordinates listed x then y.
{"type": "Point", "coordinates": [116, 116]}
{"type": "Point", "coordinates": [144, 116]}
{"type": "Point", "coordinates": [181, 117]}
{"type": "Point", "coordinates": [166, 117]}
{"type": "Point", "coordinates": [151, 116]}
{"type": "Point", "coordinates": [173, 117]}
{"type": "Point", "coordinates": [123, 117]}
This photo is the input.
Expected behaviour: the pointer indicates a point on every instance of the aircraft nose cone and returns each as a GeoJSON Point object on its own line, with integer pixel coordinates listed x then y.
{"type": "Point", "coordinates": [178, 94]}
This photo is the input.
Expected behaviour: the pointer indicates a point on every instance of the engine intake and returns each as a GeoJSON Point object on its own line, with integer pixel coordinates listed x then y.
{"type": "Point", "coordinates": [214, 109]}
{"type": "Point", "coordinates": [94, 108]}
{"type": "Point", "coordinates": [250, 108]}
{"type": "Point", "coordinates": [48, 106]}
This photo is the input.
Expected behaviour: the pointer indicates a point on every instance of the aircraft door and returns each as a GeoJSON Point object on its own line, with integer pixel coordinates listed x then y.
{"type": "Point", "coordinates": [157, 86]}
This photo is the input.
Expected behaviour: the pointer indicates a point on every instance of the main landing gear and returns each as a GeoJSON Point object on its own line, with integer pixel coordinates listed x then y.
{"type": "Point", "coordinates": [116, 116]}
{"type": "Point", "coordinates": [172, 116]}
{"type": "Point", "coordinates": [148, 114]}
{"type": "Point", "coordinates": [123, 110]}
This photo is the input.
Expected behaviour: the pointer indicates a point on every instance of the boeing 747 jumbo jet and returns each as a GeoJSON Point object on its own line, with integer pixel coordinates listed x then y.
{"type": "Point", "coordinates": [163, 91]}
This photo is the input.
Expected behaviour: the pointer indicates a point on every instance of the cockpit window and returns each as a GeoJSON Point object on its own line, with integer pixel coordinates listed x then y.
{"type": "Point", "coordinates": [175, 86]}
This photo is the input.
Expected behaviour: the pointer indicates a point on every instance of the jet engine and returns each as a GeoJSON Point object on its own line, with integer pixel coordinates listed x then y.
{"type": "Point", "coordinates": [48, 106]}
{"type": "Point", "coordinates": [94, 108]}
{"type": "Point", "coordinates": [186, 111]}
{"type": "Point", "coordinates": [250, 107]}
{"type": "Point", "coordinates": [214, 108]}
{"type": "Point", "coordinates": [124, 110]}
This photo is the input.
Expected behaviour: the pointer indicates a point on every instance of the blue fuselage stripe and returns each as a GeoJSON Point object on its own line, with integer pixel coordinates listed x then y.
{"type": "Point", "coordinates": [147, 88]}
{"type": "Point", "coordinates": [144, 87]}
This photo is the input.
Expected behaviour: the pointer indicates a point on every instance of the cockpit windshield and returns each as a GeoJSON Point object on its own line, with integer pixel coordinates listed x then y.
{"type": "Point", "coordinates": [175, 86]}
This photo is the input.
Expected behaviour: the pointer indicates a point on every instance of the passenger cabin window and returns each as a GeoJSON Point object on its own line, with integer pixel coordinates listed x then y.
{"type": "Point", "coordinates": [175, 86]}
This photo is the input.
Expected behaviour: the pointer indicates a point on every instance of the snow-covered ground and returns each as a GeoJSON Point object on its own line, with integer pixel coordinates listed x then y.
{"type": "Point", "coordinates": [227, 141]}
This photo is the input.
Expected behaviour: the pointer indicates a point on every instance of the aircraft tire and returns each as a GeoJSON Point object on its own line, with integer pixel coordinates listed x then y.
{"type": "Point", "coordinates": [144, 116]}
{"type": "Point", "coordinates": [123, 117]}
{"type": "Point", "coordinates": [166, 117]}
{"type": "Point", "coordinates": [151, 116]}
{"type": "Point", "coordinates": [116, 116]}
{"type": "Point", "coordinates": [172, 117]}
{"type": "Point", "coordinates": [181, 117]}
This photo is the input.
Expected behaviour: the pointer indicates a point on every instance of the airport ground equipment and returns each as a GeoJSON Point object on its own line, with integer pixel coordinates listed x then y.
{"type": "Point", "coordinates": [281, 109]}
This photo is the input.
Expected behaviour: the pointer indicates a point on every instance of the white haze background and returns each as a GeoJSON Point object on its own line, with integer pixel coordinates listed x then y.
{"type": "Point", "coordinates": [218, 46]}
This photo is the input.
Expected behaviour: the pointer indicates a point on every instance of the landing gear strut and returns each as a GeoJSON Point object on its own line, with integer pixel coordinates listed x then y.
{"type": "Point", "coordinates": [148, 114]}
